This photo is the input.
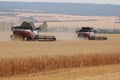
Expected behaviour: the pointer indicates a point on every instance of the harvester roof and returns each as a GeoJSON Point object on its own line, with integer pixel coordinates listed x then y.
{"type": "Point", "coordinates": [86, 29]}
{"type": "Point", "coordinates": [27, 25]}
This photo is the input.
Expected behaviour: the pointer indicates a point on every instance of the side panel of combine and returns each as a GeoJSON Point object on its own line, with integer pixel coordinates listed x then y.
{"type": "Point", "coordinates": [25, 35]}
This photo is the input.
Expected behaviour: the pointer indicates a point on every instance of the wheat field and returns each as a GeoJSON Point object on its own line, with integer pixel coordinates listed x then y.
{"type": "Point", "coordinates": [22, 57]}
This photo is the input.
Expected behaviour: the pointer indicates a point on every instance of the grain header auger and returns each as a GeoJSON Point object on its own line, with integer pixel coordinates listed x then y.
{"type": "Point", "coordinates": [28, 32]}
{"type": "Point", "coordinates": [89, 33]}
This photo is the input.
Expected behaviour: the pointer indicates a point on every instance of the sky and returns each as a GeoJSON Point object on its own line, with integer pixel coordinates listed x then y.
{"type": "Point", "coordinates": [73, 1]}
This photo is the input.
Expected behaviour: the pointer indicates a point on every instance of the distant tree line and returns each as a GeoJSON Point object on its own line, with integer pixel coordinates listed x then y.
{"type": "Point", "coordinates": [4, 27]}
{"type": "Point", "coordinates": [74, 29]}
{"type": "Point", "coordinates": [109, 31]}
{"type": "Point", "coordinates": [44, 28]}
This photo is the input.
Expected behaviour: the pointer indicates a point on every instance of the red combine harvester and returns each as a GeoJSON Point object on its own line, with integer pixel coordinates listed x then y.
{"type": "Point", "coordinates": [89, 33]}
{"type": "Point", "coordinates": [27, 31]}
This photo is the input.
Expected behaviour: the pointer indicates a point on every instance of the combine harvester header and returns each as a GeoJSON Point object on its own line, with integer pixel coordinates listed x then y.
{"type": "Point", "coordinates": [28, 32]}
{"type": "Point", "coordinates": [89, 33]}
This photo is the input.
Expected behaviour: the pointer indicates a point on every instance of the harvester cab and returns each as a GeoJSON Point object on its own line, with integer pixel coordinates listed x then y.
{"type": "Point", "coordinates": [89, 33]}
{"type": "Point", "coordinates": [27, 31]}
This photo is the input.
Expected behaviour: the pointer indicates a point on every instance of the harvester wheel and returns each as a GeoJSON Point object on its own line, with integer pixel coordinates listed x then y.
{"type": "Point", "coordinates": [12, 37]}
{"type": "Point", "coordinates": [25, 38]}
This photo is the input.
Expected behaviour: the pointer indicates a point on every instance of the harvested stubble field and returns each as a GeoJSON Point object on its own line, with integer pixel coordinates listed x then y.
{"type": "Point", "coordinates": [64, 59]}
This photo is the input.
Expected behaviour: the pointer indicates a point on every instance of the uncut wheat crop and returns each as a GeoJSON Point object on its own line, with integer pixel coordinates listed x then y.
{"type": "Point", "coordinates": [21, 57]}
